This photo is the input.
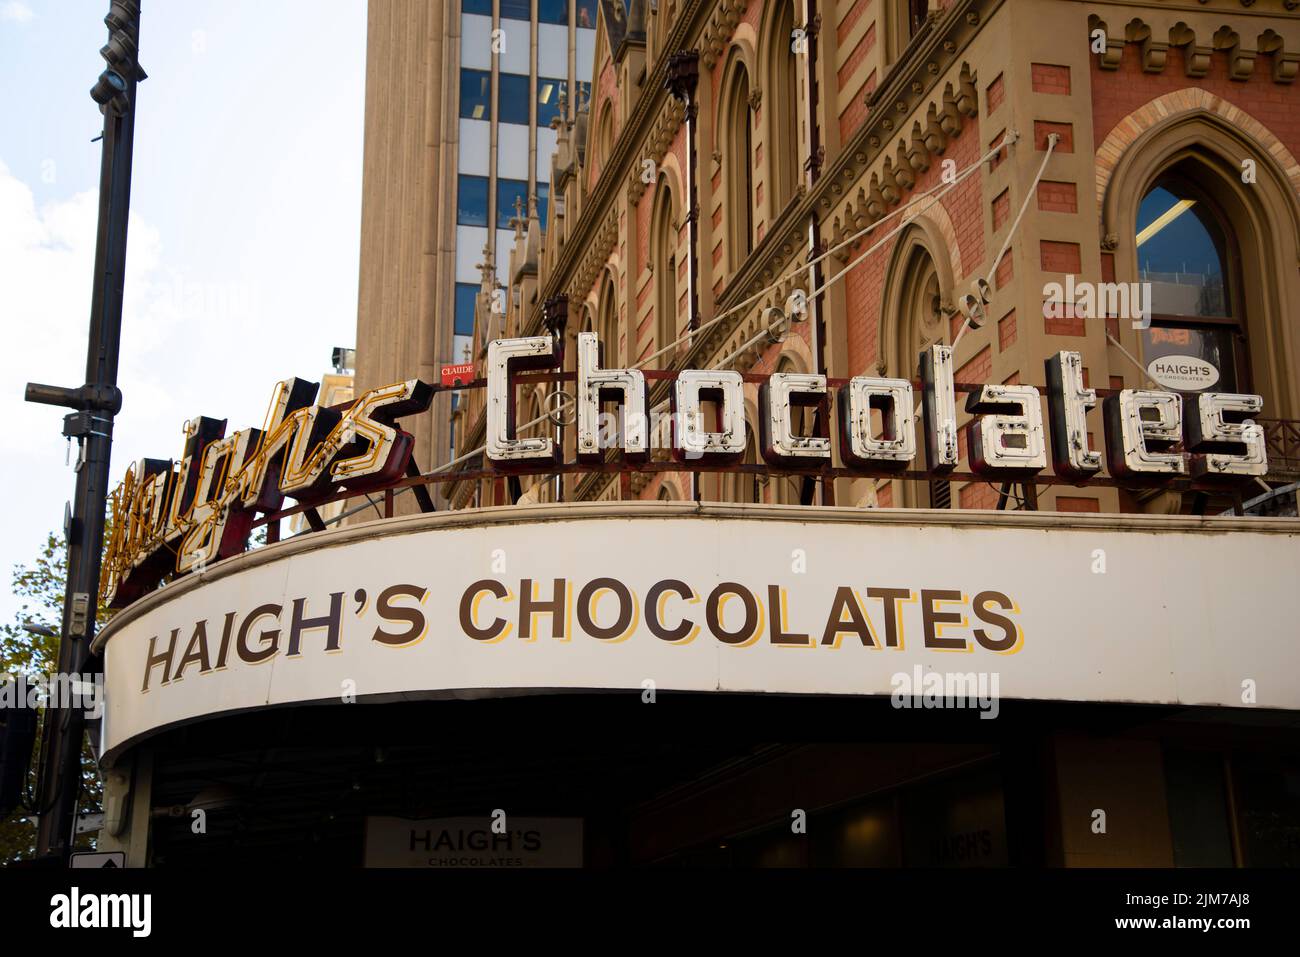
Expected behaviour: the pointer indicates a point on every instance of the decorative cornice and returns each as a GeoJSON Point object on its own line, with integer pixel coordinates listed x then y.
{"type": "Point", "coordinates": [1154, 40]}
{"type": "Point", "coordinates": [596, 255]}
{"type": "Point", "coordinates": [666, 124]}
{"type": "Point", "coordinates": [717, 33]}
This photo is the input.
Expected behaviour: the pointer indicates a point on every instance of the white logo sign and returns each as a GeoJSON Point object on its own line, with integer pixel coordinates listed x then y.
{"type": "Point", "coordinates": [1183, 373]}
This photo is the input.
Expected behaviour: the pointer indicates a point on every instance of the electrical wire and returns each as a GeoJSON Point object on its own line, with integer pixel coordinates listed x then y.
{"type": "Point", "coordinates": [933, 195]}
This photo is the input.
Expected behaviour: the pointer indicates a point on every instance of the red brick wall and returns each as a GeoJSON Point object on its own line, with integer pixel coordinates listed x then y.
{"type": "Point", "coordinates": [856, 111]}
{"type": "Point", "coordinates": [1050, 78]}
{"type": "Point", "coordinates": [1073, 503]}
{"type": "Point", "coordinates": [1001, 209]}
{"type": "Point", "coordinates": [1007, 331]}
{"type": "Point", "coordinates": [995, 95]}
{"type": "Point", "coordinates": [845, 73]}
{"type": "Point", "coordinates": [977, 495]}
{"type": "Point", "coordinates": [1062, 319]}
{"type": "Point", "coordinates": [1055, 197]}
{"type": "Point", "coordinates": [846, 25]}
{"type": "Point", "coordinates": [1059, 257]}
{"type": "Point", "coordinates": [862, 292]}
{"type": "Point", "coordinates": [864, 286]}
{"type": "Point", "coordinates": [1044, 128]}
{"type": "Point", "coordinates": [1117, 93]}
{"type": "Point", "coordinates": [977, 369]}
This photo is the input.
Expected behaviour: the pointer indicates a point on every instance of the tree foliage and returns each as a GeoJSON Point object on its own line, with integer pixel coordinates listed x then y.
{"type": "Point", "coordinates": [40, 588]}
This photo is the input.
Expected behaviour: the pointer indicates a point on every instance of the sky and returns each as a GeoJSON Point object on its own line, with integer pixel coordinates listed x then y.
{"type": "Point", "coordinates": [244, 232]}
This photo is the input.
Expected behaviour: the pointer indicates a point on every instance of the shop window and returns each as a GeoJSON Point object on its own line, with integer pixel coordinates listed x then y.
{"type": "Point", "coordinates": [466, 294]}
{"type": "Point", "coordinates": [553, 11]}
{"type": "Point", "coordinates": [510, 191]}
{"type": "Point", "coordinates": [956, 822]}
{"type": "Point", "coordinates": [516, 9]}
{"type": "Point", "coordinates": [1184, 252]}
{"type": "Point", "coordinates": [514, 98]}
{"type": "Point", "coordinates": [475, 94]}
{"type": "Point", "coordinates": [548, 99]}
{"type": "Point", "coordinates": [864, 835]}
{"type": "Point", "coordinates": [472, 200]}
{"type": "Point", "coordinates": [1198, 808]}
{"type": "Point", "coordinates": [1267, 790]}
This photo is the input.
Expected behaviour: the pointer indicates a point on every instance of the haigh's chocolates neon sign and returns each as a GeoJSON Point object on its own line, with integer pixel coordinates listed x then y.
{"type": "Point", "coordinates": [202, 508]}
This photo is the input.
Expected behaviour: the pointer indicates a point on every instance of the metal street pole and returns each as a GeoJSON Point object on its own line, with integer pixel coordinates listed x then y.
{"type": "Point", "coordinates": [91, 424]}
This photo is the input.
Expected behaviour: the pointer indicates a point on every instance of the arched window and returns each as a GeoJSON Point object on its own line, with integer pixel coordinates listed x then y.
{"type": "Point", "coordinates": [921, 301]}
{"type": "Point", "coordinates": [663, 236]}
{"type": "Point", "coordinates": [1187, 253]}
{"type": "Point", "coordinates": [915, 317]}
{"type": "Point", "coordinates": [607, 324]}
{"type": "Point", "coordinates": [781, 104]}
{"type": "Point", "coordinates": [737, 143]}
{"type": "Point", "coordinates": [1220, 252]}
{"type": "Point", "coordinates": [604, 140]}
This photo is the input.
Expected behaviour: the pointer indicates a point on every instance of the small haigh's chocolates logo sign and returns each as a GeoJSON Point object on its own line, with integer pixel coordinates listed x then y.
{"type": "Point", "coordinates": [173, 517]}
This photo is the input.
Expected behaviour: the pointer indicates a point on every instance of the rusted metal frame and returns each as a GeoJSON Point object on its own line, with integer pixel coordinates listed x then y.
{"type": "Point", "coordinates": [421, 491]}
{"type": "Point", "coordinates": [821, 472]}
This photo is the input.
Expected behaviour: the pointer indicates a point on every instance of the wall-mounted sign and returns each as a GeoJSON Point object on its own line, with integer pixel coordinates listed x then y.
{"type": "Point", "coordinates": [694, 598]}
{"type": "Point", "coordinates": [455, 376]}
{"type": "Point", "coordinates": [474, 842]}
{"type": "Point", "coordinates": [171, 518]}
{"type": "Point", "coordinates": [1183, 373]}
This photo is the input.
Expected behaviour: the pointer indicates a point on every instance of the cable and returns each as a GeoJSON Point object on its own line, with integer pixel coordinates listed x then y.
{"type": "Point", "coordinates": [933, 194]}
{"type": "Point", "coordinates": [940, 189]}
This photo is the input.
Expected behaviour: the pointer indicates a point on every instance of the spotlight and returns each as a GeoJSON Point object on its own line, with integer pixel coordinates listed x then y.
{"type": "Point", "coordinates": [122, 15]}
{"type": "Point", "coordinates": [110, 85]}
{"type": "Point", "coordinates": [120, 51]}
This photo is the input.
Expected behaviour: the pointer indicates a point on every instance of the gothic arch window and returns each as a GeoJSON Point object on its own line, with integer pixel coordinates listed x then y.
{"type": "Point", "coordinates": [607, 324]}
{"type": "Point", "coordinates": [737, 142]}
{"type": "Point", "coordinates": [1187, 252]}
{"type": "Point", "coordinates": [1196, 154]}
{"type": "Point", "coordinates": [913, 318]}
{"type": "Point", "coordinates": [663, 238]}
{"type": "Point", "coordinates": [781, 105]}
{"type": "Point", "coordinates": [604, 140]}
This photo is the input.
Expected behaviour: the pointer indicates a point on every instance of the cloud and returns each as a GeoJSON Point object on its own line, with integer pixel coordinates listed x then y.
{"type": "Point", "coordinates": [47, 257]}
{"type": "Point", "coordinates": [15, 11]}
